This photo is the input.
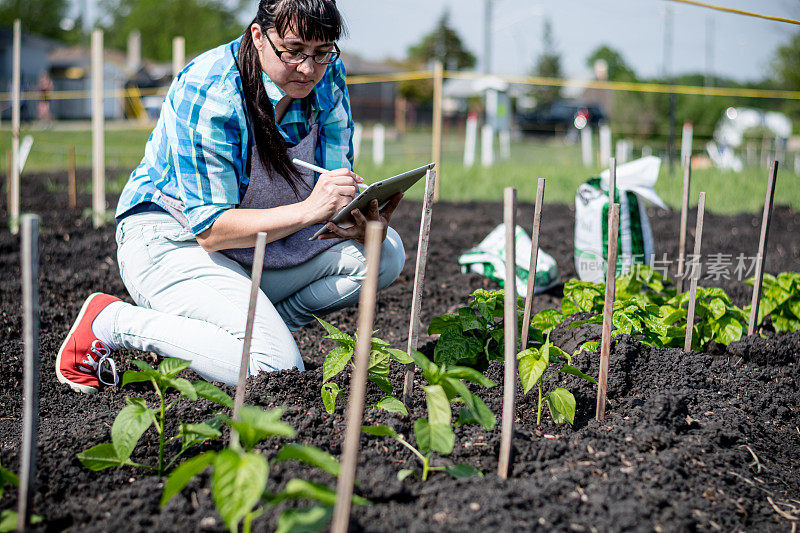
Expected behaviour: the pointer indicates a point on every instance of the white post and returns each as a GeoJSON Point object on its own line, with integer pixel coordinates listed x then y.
{"type": "Point", "coordinates": [487, 145]}
{"type": "Point", "coordinates": [134, 50]}
{"type": "Point", "coordinates": [358, 132]}
{"type": "Point", "coordinates": [605, 144]}
{"type": "Point", "coordinates": [586, 146]}
{"type": "Point", "coordinates": [624, 150]}
{"type": "Point", "coordinates": [98, 141]}
{"type": "Point", "coordinates": [13, 211]}
{"type": "Point", "coordinates": [686, 141]}
{"type": "Point", "coordinates": [471, 140]}
{"type": "Point", "coordinates": [797, 164]}
{"type": "Point", "coordinates": [647, 150]}
{"type": "Point", "coordinates": [378, 144]}
{"type": "Point", "coordinates": [505, 144]}
{"type": "Point", "coordinates": [178, 55]}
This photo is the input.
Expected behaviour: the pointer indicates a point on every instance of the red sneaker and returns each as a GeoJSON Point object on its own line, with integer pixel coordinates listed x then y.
{"type": "Point", "coordinates": [83, 358]}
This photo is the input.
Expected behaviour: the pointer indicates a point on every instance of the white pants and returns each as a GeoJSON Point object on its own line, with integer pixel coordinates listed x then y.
{"type": "Point", "coordinates": [193, 304]}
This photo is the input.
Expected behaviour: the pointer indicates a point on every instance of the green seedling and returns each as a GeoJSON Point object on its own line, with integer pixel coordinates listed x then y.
{"type": "Point", "coordinates": [720, 320]}
{"type": "Point", "coordinates": [780, 299]}
{"type": "Point", "coordinates": [8, 518]}
{"type": "Point", "coordinates": [380, 357]}
{"type": "Point", "coordinates": [136, 417]}
{"type": "Point", "coordinates": [240, 474]}
{"type": "Point", "coordinates": [435, 433]}
{"type": "Point", "coordinates": [473, 335]}
{"type": "Point", "coordinates": [533, 372]}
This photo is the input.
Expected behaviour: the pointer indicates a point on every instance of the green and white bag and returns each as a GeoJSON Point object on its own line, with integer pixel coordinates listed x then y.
{"type": "Point", "coordinates": [488, 259]}
{"type": "Point", "coordinates": [635, 181]}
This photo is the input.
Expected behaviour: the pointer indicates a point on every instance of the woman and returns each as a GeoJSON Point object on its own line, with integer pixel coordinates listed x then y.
{"type": "Point", "coordinates": [216, 171]}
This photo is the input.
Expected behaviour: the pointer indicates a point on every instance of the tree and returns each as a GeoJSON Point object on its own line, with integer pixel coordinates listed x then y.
{"type": "Point", "coordinates": [786, 67]}
{"type": "Point", "coordinates": [203, 23]}
{"type": "Point", "coordinates": [442, 44]}
{"type": "Point", "coordinates": [618, 69]}
{"type": "Point", "coordinates": [548, 65]}
{"type": "Point", "coordinates": [42, 17]}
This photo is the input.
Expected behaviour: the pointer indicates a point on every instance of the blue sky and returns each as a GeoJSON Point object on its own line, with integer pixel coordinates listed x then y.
{"type": "Point", "coordinates": [742, 46]}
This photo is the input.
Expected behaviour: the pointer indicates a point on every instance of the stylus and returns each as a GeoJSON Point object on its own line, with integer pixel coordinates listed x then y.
{"type": "Point", "coordinates": [321, 170]}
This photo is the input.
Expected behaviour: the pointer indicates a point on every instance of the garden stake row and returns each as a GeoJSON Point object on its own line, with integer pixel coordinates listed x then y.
{"type": "Point", "coordinates": [687, 179]}
{"type": "Point", "coordinates": [358, 381]}
{"type": "Point", "coordinates": [762, 244]}
{"type": "Point", "coordinates": [698, 238]}
{"type": "Point", "coordinates": [608, 307]}
{"type": "Point", "coordinates": [419, 277]}
{"type": "Point", "coordinates": [510, 331]}
{"type": "Point", "coordinates": [30, 413]}
{"type": "Point", "coordinates": [13, 190]}
{"type": "Point", "coordinates": [73, 202]}
{"type": "Point", "coordinates": [255, 276]}
{"type": "Point", "coordinates": [537, 221]}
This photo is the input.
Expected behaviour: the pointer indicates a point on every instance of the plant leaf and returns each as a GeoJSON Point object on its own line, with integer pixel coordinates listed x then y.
{"type": "Point", "coordinates": [561, 404]}
{"type": "Point", "coordinates": [134, 376]}
{"type": "Point", "coordinates": [329, 393]}
{"type": "Point", "coordinates": [129, 425]}
{"type": "Point", "coordinates": [531, 369]}
{"type": "Point", "coordinates": [568, 369]}
{"type": "Point", "coordinates": [391, 404]}
{"type": "Point", "coordinates": [184, 386]}
{"type": "Point", "coordinates": [255, 424]}
{"type": "Point", "coordinates": [400, 356]}
{"type": "Point", "coordinates": [469, 374]}
{"type": "Point", "coordinates": [438, 404]}
{"type": "Point", "coordinates": [304, 520]}
{"type": "Point", "coordinates": [462, 471]}
{"type": "Point", "coordinates": [210, 392]}
{"type": "Point", "coordinates": [475, 407]}
{"type": "Point", "coordinates": [436, 437]}
{"type": "Point", "coordinates": [402, 474]}
{"type": "Point", "coordinates": [729, 330]}
{"type": "Point", "coordinates": [335, 362]}
{"type": "Point", "coordinates": [310, 455]}
{"type": "Point", "coordinates": [184, 473]}
{"type": "Point", "coordinates": [99, 457]}
{"type": "Point", "coordinates": [336, 335]}
{"type": "Point", "coordinates": [192, 434]}
{"type": "Point", "coordinates": [300, 489]}
{"type": "Point", "coordinates": [379, 431]}
{"type": "Point", "coordinates": [171, 366]}
{"type": "Point", "coordinates": [239, 480]}
{"type": "Point", "coordinates": [383, 383]}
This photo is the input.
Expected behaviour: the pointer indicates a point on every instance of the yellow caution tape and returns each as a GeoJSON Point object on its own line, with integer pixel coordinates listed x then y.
{"type": "Point", "coordinates": [737, 11]}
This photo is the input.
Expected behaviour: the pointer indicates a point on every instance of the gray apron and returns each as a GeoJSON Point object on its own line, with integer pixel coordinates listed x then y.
{"type": "Point", "coordinates": [266, 190]}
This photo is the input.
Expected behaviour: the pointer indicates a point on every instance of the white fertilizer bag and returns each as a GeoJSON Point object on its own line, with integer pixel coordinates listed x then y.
{"type": "Point", "coordinates": [635, 181]}
{"type": "Point", "coordinates": [488, 259]}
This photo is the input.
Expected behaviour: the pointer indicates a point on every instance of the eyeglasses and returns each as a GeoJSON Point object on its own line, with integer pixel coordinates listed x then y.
{"type": "Point", "coordinates": [295, 58]}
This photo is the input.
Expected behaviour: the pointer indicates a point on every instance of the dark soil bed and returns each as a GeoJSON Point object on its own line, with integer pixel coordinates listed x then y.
{"type": "Point", "coordinates": [692, 441]}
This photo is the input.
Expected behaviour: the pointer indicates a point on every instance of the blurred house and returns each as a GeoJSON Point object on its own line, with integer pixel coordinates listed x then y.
{"type": "Point", "coordinates": [33, 63]}
{"type": "Point", "coordinates": [371, 102]}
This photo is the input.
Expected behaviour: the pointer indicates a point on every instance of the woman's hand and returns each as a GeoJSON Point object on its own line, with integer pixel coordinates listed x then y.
{"type": "Point", "coordinates": [358, 230]}
{"type": "Point", "coordinates": [333, 190]}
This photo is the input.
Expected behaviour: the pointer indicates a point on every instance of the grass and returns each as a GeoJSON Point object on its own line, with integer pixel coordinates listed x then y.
{"type": "Point", "coordinates": [560, 164]}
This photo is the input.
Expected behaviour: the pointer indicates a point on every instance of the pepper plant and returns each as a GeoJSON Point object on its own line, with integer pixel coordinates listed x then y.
{"type": "Point", "coordinates": [780, 299]}
{"type": "Point", "coordinates": [533, 372]}
{"type": "Point", "coordinates": [8, 518]}
{"type": "Point", "coordinates": [380, 357]}
{"type": "Point", "coordinates": [136, 417]}
{"type": "Point", "coordinates": [435, 433]}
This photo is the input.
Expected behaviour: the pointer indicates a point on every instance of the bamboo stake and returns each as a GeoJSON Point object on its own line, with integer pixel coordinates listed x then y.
{"type": "Point", "coordinates": [178, 55]}
{"type": "Point", "coordinates": [510, 329]}
{"type": "Point", "coordinates": [438, 80]}
{"type": "Point", "coordinates": [687, 180]}
{"type": "Point", "coordinates": [612, 184]}
{"type": "Point", "coordinates": [608, 309]}
{"type": "Point", "coordinates": [358, 381]}
{"type": "Point", "coordinates": [419, 277]}
{"type": "Point", "coordinates": [762, 247]}
{"type": "Point", "coordinates": [13, 207]}
{"type": "Point", "coordinates": [698, 238]}
{"type": "Point", "coordinates": [98, 140]}
{"type": "Point", "coordinates": [9, 186]}
{"type": "Point", "coordinates": [537, 221]}
{"type": "Point", "coordinates": [30, 414]}
{"type": "Point", "coordinates": [73, 201]}
{"type": "Point", "coordinates": [255, 277]}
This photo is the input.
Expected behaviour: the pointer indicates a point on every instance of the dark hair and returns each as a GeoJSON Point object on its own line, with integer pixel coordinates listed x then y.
{"type": "Point", "coordinates": [310, 20]}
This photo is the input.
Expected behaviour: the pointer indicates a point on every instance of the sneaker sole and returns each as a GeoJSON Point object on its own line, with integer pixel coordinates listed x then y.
{"type": "Point", "coordinates": [77, 387]}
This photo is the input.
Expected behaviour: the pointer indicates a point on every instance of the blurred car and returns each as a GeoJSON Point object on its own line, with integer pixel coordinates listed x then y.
{"type": "Point", "coordinates": [559, 117]}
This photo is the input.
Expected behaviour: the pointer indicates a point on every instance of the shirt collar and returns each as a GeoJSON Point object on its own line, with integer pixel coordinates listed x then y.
{"type": "Point", "coordinates": [275, 93]}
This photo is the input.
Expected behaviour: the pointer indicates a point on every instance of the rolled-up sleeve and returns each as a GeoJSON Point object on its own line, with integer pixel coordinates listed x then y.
{"type": "Point", "coordinates": [335, 148]}
{"type": "Point", "coordinates": [206, 131]}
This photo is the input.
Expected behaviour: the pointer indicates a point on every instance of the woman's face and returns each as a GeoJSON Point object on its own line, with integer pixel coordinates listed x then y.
{"type": "Point", "coordinates": [296, 80]}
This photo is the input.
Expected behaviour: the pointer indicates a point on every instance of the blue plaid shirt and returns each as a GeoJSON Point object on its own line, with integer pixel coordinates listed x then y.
{"type": "Point", "coordinates": [199, 149]}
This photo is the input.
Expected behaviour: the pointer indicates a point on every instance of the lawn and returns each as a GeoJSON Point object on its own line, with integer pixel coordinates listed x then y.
{"type": "Point", "coordinates": [727, 192]}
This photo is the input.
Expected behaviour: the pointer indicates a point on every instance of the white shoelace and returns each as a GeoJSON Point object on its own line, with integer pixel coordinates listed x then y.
{"type": "Point", "coordinates": [112, 370]}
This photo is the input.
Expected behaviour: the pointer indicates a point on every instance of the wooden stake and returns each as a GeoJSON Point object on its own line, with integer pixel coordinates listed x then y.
{"type": "Point", "coordinates": [30, 413]}
{"type": "Point", "coordinates": [510, 320]}
{"type": "Point", "coordinates": [73, 201]}
{"type": "Point", "coordinates": [13, 207]}
{"type": "Point", "coordinates": [9, 186]}
{"type": "Point", "coordinates": [612, 184]}
{"type": "Point", "coordinates": [608, 310]}
{"type": "Point", "coordinates": [438, 80]}
{"type": "Point", "coordinates": [537, 221]}
{"type": "Point", "coordinates": [255, 277]}
{"type": "Point", "coordinates": [178, 55]}
{"type": "Point", "coordinates": [698, 239]}
{"type": "Point", "coordinates": [98, 140]}
{"type": "Point", "coordinates": [358, 381]}
{"type": "Point", "coordinates": [419, 277]}
{"type": "Point", "coordinates": [762, 248]}
{"type": "Point", "coordinates": [687, 180]}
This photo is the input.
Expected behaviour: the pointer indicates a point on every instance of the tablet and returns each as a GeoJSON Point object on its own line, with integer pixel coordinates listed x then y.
{"type": "Point", "coordinates": [382, 191]}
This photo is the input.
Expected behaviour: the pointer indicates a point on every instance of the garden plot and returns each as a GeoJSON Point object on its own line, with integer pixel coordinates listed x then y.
{"type": "Point", "coordinates": [702, 441]}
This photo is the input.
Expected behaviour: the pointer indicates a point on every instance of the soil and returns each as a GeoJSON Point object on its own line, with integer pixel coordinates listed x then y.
{"type": "Point", "coordinates": [691, 441]}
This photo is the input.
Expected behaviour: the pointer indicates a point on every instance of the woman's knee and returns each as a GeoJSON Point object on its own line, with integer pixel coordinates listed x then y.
{"type": "Point", "coordinates": [393, 259]}
{"type": "Point", "coordinates": [274, 350]}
